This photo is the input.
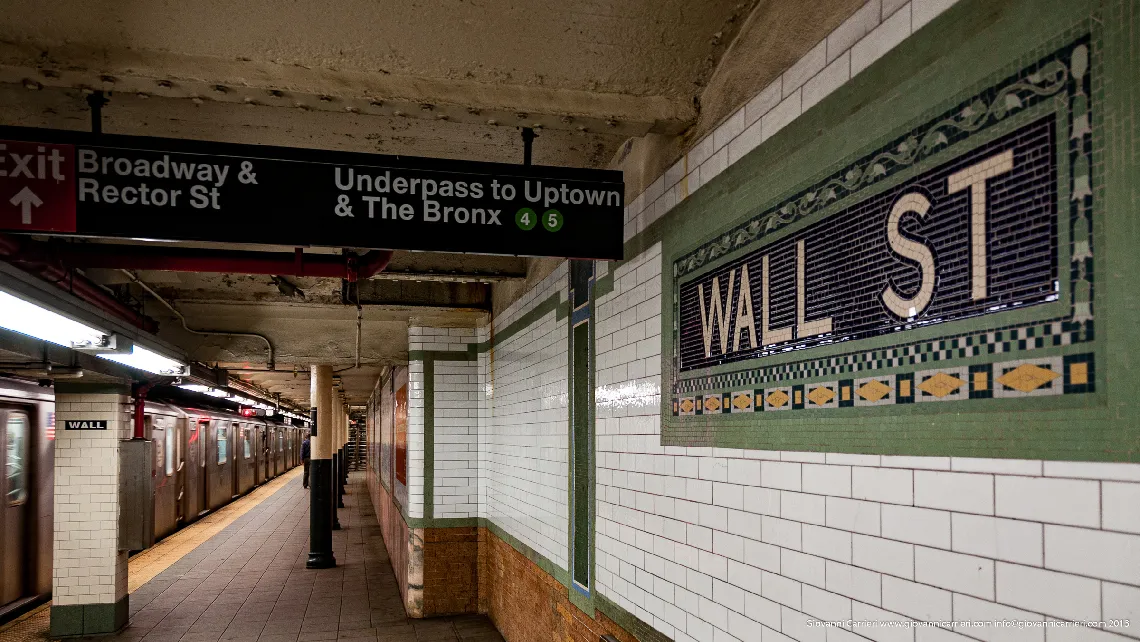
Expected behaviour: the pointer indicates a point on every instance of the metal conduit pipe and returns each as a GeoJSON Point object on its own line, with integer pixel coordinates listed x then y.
{"type": "Point", "coordinates": [139, 418]}
{"type": "Point", "coordinates": [205, 333]}
{"type": "Point", "coordinates": [135, 257]}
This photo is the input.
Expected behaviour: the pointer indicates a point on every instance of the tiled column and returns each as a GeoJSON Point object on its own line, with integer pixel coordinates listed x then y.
{"type": "Point", "coordinates": [89, 572]}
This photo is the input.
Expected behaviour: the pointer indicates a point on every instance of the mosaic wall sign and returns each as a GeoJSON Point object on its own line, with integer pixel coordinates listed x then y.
{"type": "Point", "coordinates": [974, 236]}
{"type": "Point", "coordinates": [982, 212]}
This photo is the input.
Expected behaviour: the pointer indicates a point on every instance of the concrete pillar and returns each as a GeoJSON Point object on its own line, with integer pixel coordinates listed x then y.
{"type": "Point", "coordinates": [339, 459]}
{"type": "Point", "coordinates": [89, 572]}
{"type": "Point", "coordinates": [343, 426]}
{"type": "Point", "coordinates": [321, 504]}
{"type": "Point", "coordinates": [336, 460]}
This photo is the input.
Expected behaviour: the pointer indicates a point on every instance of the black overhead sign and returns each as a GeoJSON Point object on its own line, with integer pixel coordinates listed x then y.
{"type": "Point", "coordinates": [85, 424]}
{"type": "Point", "coordinates": [174, 190]}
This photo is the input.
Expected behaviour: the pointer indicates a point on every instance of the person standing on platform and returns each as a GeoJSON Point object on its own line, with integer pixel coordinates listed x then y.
{"type": "Point", "coordinates": [305, 461]}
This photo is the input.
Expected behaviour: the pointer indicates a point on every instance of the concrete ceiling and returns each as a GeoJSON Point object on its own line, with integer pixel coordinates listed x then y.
{"type": "Point", "coordinates": [459, 76]}
{"type": "Point", "coordinates": [446, 79]}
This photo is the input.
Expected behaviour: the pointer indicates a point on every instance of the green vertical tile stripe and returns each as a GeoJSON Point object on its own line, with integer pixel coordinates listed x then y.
{"type": "Point", "coordinates": [582, 461]}
{"type": "Point", "coordinates": [429, 438]}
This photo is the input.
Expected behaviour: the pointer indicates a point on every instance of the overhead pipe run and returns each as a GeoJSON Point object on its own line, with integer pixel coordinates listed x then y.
{"type": "Point", "coordinates": [31, 256]}
{"type": "Point", "coordinates": [349, 267]}
{"type": "Point", "coordinates": [205, 333]}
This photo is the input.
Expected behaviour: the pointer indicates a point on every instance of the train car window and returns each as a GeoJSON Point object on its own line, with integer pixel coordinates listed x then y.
{"type": "Point", "coordinates": [17, 458]}
{"type": "Point", "coordinates": [223, 455]}
{"type": "Point", "coordinates": [203, 427]}
{"type": "Point", "coordinates": [245, 441]}
{"type": "Point", "coordinates": [170, 450]}
{"type": "Point", "coordinates": [157, 438]}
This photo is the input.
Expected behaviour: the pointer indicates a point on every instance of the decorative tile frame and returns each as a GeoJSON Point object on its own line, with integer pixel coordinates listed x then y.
{"type": "Point", "coordinates": [1053, 343]}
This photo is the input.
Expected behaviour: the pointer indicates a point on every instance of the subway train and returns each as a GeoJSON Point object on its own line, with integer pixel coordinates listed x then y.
{"type": "Point", "coordinates": [203, 459]}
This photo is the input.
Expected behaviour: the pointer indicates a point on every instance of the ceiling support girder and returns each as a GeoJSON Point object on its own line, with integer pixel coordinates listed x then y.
{"type": "Point", "coordinates": [260, 83]}
{"type": "Point", "coordinates": [139, 257]}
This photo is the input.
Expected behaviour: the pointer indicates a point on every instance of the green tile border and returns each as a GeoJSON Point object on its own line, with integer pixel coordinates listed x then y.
{"type": "Point", "coordinates": [1039, 84]}
{"type": "Point", "coordinates": [634, 625]}
{"type": "Point", "coordinates": [76, 620]}
{"type": "Point", "coordinates": [429, 438]}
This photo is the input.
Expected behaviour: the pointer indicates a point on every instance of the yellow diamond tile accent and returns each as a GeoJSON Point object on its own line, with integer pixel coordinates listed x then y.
{"type": "Point", "coordinates": [941, 384]}
{"type": "Point", "coordinates": [742, 401]}
{"type": "Point", "coordinates": [799, 396]}
{"type": "Point", "coordinates": [1027, 377]}
{"type": "Point", "coordinates": [846, 393]}
{"type": "Point", "coordinates": [687, 405]}
{"type": "Point", "coordinates": [777, 398]}
{"type": "Point", "coordinates": [712, 404]}
{"type": "Point", "coordinates": [904, 388]}
{"type": "Point", "coordinates": [1079, 374]}
{"type": "Point", "coordinates": [820, 396]}
{"type": "Point", "coordinates": [873, 390]}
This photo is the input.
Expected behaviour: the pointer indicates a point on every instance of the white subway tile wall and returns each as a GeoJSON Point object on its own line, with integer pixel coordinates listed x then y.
{"type": "Point", "coordinates": [714, 544]}
{"type": "Point", "coordinates": [456, 484]}
{"type": "Point", "coordinates": [415, 501]}
{"type": "Point", "coordinates": [866, 36]}
{"type": "Point", "coordinates": [722, 545]}
{"type": "Point", "coordinates": [88, 567]}
{"type": "Point", "coordinates": [523, 439]}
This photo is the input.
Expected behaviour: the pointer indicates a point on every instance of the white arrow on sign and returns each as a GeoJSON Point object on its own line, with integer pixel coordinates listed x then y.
{"type": "Point", "coordinates": [26, 199]}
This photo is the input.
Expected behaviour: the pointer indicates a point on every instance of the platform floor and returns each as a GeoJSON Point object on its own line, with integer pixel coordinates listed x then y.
{"type": "Point", "coordinates": [247, 582]}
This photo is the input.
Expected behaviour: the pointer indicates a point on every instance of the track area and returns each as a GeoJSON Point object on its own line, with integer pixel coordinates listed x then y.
{"type": "Point", "coordinates": [240, 575]}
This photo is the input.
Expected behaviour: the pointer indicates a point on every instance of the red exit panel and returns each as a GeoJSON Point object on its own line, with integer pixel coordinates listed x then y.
{"type": "Point", "coordinates": [37, 187]}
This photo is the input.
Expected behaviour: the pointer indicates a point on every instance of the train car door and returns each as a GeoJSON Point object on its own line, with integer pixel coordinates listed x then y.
{"type": "Point", "coordinates": [191, 469]}
{"type": "Point", "coordinates": [161, 431]}
{"type": "Point", "coordinates": [258, 455]}
{"type": "Point", "coordinates": [267, 448]}
{"type": "Point", "coordinates": [204, 452]}
{"type": "Point", "coordinates": [262, 444]}
{"type": "Point", "coordinates": [235, 468]}
{"type": "Point", "coordinates": [220, 464]}
{"type": "Point", "coordinates": [180, 472]}
{"type": "Point", "coordinates": [16, 445]}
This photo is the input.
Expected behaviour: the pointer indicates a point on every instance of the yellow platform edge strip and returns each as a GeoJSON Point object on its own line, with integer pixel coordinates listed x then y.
{"type": "Point", "coordinates": [143, 567]}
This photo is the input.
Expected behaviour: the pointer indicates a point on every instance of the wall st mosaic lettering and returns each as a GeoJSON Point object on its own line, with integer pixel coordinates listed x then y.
{"type": "Point", "coordinates": [975, 236]}
{"type": "Point", "coordinates": [978, 221]}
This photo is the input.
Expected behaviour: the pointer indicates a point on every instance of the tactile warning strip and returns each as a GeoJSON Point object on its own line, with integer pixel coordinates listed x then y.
{"type": "Point", "coordinates": [35, 624]}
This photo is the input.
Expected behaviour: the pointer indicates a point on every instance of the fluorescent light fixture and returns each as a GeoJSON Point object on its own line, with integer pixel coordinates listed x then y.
{"type": "Point", "coordinates": [26, 317]}
{"type": "Point", "coordinates": [206, 390]}
{"type": "Point", "coordinates": [143, 359]}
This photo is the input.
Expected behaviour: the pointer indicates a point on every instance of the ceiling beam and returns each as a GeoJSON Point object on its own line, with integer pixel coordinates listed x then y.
{"type": "Point", "coordinates": [260, 83]}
